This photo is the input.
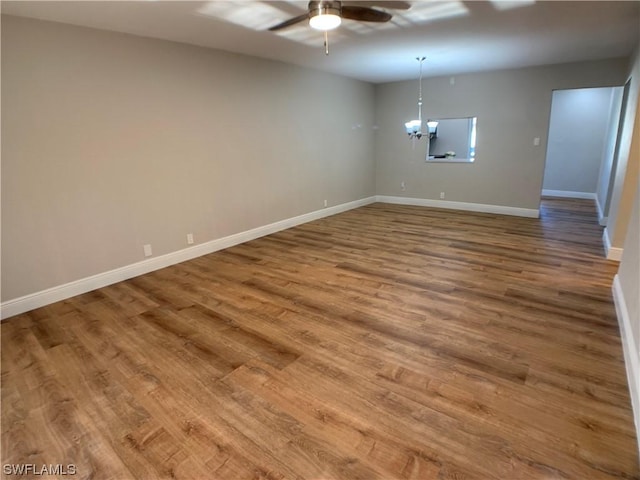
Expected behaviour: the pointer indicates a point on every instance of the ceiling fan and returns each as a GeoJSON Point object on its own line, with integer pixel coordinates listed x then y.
{"type": "Point", "coordinates": [326, 15]}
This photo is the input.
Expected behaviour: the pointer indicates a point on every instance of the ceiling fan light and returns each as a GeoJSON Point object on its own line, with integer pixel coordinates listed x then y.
{"type": "Point", "coordinates": [324, 15]}
{"type": "Point", "coordinates": [325, 21]}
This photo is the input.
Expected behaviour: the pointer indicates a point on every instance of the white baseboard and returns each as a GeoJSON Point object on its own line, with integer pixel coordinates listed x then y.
{"type": "Point", "coordinates": [84, 285]}
{"type": "Point", "coordinates": [569, 194]}
{"type": "Point", "coordinates": [470, 207]}
{"type": "Point", "coordinates": [612, 253]}
{"type": "Point", "coordinates": [602, 220]}
{"type": "Point", "coordinates": [630, 350]}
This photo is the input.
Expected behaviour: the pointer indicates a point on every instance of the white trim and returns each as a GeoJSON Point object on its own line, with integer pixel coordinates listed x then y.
{"type": "Point", "coordinates": [630, 350]}
{"type": "Point", "coordinates": [84, 285]}
{"type": "Point", "coordinates": [569, 194]}
{"type": "Point", "coordinates": [450, 160]}
{"type": "Point", "coordinates": [612, 253]}
{"type": "Point", "coordinates": [602, 220]}
{"type": "Point", "coordinates": [470, 207]}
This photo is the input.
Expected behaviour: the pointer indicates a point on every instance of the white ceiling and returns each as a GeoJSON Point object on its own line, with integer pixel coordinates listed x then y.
{"type": "Point", "coordinates": [455, 36]}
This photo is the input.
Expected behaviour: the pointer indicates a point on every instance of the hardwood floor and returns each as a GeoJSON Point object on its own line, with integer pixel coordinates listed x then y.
{"type": "Point", "coordinates": [386, 342]}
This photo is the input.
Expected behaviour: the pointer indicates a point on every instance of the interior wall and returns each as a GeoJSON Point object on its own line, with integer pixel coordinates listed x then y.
{"type": "Point", "coordinates": [629, 271]}
{"type": "Point", "coordinates": [577, 136]}
{"type": "Point", "coordinates": [606, 174]}
{"type": "Point", "coordinates": [624, 221]}
{"type": "Point", "coordinates": [111, 141]}
{"type": "Point", "coordinates": [513, 108]}
{"type": "Point", "coordinates": [627, 161]}
{"type": "Point", "coordinates": [627, 296]}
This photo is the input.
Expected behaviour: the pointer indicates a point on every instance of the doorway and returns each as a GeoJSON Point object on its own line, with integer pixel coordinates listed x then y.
{"type": "Point", "coordinates": [582, 144]}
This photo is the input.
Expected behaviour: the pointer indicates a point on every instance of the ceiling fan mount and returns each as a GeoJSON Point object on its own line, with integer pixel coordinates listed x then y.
{"type": "Point", "coordinates": [327, 15]}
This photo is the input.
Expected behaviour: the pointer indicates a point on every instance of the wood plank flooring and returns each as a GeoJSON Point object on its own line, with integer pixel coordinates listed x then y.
{"type": "Point", "coordinates": [387, 342]}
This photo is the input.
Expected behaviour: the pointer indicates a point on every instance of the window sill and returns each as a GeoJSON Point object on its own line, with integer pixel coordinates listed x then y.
{"type": "Point", "coordinates": [449, 160]}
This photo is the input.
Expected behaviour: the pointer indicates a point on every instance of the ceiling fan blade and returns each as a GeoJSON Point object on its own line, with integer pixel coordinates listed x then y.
{"type": "Point", "coordinates": [291, 21]}
{"type": "Point", "coordinates": [391, 4]}
{"type": "Point", "coordinates": [364, 14]}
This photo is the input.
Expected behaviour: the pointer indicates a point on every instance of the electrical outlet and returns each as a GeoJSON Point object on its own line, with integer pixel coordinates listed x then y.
{"type": "Point", "coordinates": [441, 195]}
{"type": "Point", "coordinates": [403, 186]}
{"type": "Point", "coordinates": [190, 238]}
{"type": "Point", "coordinates": [147, 250]}
{"type": "Point", "coordinates": [536, 141]}
{"type": "Point", "coordinates": [325, 203]}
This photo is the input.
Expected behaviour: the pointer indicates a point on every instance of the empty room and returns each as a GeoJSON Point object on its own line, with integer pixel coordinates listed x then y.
{"type": "Point", "coordinates": [323, 240]}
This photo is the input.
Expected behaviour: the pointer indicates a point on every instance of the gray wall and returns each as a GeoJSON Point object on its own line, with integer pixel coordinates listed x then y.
{"type": "Point", "coordinates": [627, 162]}
{"type": "Point", "coordinates": [605, 185]}
{"type": "Point", "coordinates": [111, 141]}
{"type": "Point", "coordinates": [577, 136]}
{"type": "Point", "coordinates": [512, 106]}
{"type": "Point", "coordinates": [629, 282]}
{"type": "Point", "coordinates": [629, 271]}
{"type": "Point", "coordinates": [624, 222]}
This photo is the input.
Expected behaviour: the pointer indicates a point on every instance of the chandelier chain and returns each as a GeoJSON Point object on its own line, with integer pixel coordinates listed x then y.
{"type": "Point", "coordinates": [420, 59]}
